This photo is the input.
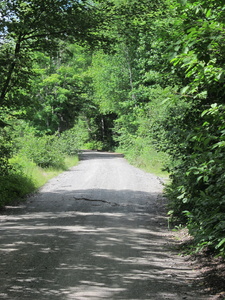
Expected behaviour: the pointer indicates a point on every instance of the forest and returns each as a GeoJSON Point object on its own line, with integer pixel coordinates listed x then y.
{"type": "Point", "coordinates": [146, 78]}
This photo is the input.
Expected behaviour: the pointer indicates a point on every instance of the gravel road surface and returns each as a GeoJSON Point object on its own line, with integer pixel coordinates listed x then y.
{"type": "Point", "coordinates": [97, 231]}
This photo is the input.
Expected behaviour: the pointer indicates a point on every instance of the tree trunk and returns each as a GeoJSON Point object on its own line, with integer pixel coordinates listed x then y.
{"type": "Point", "coordinates": [6, 86]}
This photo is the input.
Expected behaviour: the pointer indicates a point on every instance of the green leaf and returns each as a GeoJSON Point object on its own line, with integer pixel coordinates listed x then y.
{"type": "Point", "coordinates": [182, 2]}
{"type": "Point", "coordinates": [219, 145]}
{"type": "Point", "coordinates": [208, 13]}
{"type": "Point", "coordinates": [220, 243]}
{"type": "Point", "coordinates": [184, 89]}
{"type": "Point", "coordinates": [199, 178]}
{"type": "Point", "coordinates": [220, 76]}
{"type": "Point", "coordinates": [214, 105]}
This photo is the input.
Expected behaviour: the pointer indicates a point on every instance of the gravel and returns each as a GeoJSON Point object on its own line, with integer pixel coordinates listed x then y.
{"type": "Point", "coordinates": [96, 231]}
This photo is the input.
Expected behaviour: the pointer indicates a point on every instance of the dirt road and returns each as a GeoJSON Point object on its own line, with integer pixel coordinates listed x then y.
{"type": "Point", "coordinates": [95, 232]}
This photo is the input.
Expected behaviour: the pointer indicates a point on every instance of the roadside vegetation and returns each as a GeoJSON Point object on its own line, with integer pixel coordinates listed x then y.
{"type": "Point", "coordinates": [148, 159]}
{"type": "Point", "coordinates": [144, 77]}
{"type": "Point", "coordinates": [34, 159]}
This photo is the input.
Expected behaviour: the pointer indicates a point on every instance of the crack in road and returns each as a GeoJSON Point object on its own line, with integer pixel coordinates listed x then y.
{"type": "Point", "coordinates": [97, 200]}
{"type": "Point", "coordinates": [117, 204]}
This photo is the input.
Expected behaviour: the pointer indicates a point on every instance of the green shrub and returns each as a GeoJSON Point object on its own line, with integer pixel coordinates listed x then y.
{"type": "Point", "coordinates": [13, 187]}
{"type": "Point", "coordinates": [44, 151]}
{"type": "Point", "coordinates": [72, 140]}
{"type": "Point", "coordinates": [197, 189]}
{"type": "Point", "coordinates": [94, 145]}
{"type": "Point", "coordinates": [5, 151]}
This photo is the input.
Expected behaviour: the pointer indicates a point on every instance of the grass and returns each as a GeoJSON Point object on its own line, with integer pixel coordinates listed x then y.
{"type": "Point", "coordinates": [41, 175]}
{"type": "Point", "coordinates": [27, 177]}
{"type": "Point", "coordinates": [148, 160]}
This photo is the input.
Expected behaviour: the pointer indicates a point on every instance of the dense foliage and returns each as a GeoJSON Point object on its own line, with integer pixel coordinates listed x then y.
{"type": "Point", "coordinates": [144, 76]}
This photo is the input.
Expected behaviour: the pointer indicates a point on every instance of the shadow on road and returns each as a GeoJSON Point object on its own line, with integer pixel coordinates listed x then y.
{"type": "Point", "coordinates": [88, 154]}
{"type": "Point", "coordinates": [87, 249]}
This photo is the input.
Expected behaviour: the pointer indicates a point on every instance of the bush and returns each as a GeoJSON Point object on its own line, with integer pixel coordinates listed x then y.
{"type": "Point", "coordinates": [5, 151]}
{"type": "Point", "coordinates": [23, 154]}
{"type": "Point", "coordinates": [44, 151]}
{"type": "Point", "coordinates": [197, 190]}
{"type": "Point", "coordinates": [94, 145]}
{"type": "Point", "coordinates": [73, 139]}
{"type": "Point", "coordinates": [13, 187]}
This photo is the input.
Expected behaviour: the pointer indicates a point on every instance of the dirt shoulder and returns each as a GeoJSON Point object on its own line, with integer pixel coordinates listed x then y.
{"type": "Point", "coordinates": [211, 269]}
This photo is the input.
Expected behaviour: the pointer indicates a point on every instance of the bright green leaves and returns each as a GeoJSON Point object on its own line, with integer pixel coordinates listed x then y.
{"type": "Point", "coordinates": [199, 180]}
{"type": "Point", "coordinates": [60, 89]}
{"type": "Point", "coordinates": [110, 81]}
{"type": "Point", "coordinates": [195, 135]}
{"type": "Point", "coordinates": [199, 53]}
{"type": "Point", "coordinates": [39, 25]}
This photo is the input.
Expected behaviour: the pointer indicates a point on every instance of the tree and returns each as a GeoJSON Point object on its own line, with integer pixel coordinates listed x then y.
{"type": "Point", "coordinates": [59, 89]}
{"type": "Point", "coordinates": [38, 25]}
{"type": "Point", "coordinates": [124, 79]}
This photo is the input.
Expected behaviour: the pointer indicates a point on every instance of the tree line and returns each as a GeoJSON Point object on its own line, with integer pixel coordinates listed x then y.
{"type": "Point", "coordinates": [142, 76]}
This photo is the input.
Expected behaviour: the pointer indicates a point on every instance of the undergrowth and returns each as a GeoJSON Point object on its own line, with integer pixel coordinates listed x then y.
{"type": "Point", "coordinates": [26, 177]}
{"type": "Point", "coordinates": [29, 158]}
{"type": "Point", "coordinates": [147, 159]}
